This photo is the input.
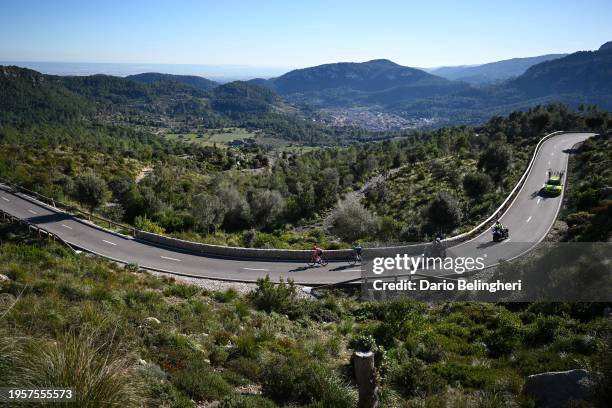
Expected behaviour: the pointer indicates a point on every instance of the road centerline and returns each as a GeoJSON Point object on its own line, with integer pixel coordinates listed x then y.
{"type": "Point", "coordinates": [108, 242]}
{"type": "Point", "coordinates": [256, 269]}
{"type": "Point", "coordinates": [32, 212]}
{"type": "Point", "coordinates": [6, 199]}
{"type": "Point", "coordinates": [66, 226]}
{"type": "Point", "coordinates": [170, 259]}
{"type": "Point", "coordinates": [528, 219]}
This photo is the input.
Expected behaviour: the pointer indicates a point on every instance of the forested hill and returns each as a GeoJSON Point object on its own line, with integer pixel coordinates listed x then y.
{"type": "Point", "coordinates": [30, 98]}
{"type": "Point", "coordinates": [584, 74]}
{"type": "Point", "coordinates": [191, 80]}
{"type": "Point", "coordinates": [350, 83]}
{"type": "Point", "coordinates": [27, 96]}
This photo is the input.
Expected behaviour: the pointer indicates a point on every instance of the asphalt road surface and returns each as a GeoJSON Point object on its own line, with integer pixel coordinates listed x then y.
{"type": "Point", "coordinates": [529, 218]}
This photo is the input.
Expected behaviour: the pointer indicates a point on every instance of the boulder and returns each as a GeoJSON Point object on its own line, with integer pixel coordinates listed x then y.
{"type": "Point", "coordinates": [4, 278]}
{"type": "Point", "coordinates": [557, 389]}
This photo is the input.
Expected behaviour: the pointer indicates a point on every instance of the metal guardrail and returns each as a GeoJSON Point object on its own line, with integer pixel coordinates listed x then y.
{"type": "Point", "coordinates": [66, 207]}
{"type": "Point", "coordinates": [33, 227]}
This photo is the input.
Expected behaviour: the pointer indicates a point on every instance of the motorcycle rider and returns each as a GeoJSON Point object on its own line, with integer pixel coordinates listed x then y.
{"type": "Point", "coordinates": [497, 227]}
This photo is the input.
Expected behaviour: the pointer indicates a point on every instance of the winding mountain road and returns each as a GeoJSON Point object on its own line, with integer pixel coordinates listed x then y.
{"type": "Point", "coordinates": [529, 218]}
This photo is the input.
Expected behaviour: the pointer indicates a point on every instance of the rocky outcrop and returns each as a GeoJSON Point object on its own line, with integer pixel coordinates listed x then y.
{"type": "Point", "coordinates": [557, 389]}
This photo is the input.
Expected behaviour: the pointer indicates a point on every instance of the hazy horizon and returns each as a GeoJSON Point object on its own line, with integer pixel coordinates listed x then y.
{"type": "Point", "coordinates": [277, 35]}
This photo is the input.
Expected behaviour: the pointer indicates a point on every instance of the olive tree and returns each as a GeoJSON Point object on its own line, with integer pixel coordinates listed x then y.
{"type": "Point", "coordinates": [266, 207]}
{"type": "Point", "coordinates": [207, 212]}
{"type": "Point", "coordinates": [90, 190]}
{"type": "Point", "coordinates": [352, 221]}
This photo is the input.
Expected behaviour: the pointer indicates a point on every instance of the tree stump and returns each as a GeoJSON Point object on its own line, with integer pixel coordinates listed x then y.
{"type": "Point", "coordinates": [365, 377]}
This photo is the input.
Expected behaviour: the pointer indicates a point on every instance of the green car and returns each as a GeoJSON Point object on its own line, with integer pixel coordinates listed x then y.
{"type": "Point", "coordinates": [553, 186]}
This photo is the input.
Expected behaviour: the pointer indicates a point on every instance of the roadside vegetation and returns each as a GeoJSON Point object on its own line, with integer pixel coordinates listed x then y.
{"type": "Point", "coordinates": [588, 206]}
{"type": "Point", "coordinates": [135, 339]}
{"type": "Point", "coordinates": [401, 190]}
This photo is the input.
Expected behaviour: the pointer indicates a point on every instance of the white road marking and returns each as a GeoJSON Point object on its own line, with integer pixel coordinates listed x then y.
{"type": "Point", "coordinates": [549, 162]}
{"type": "Point", "coordinates": [32, 211]}
{"type": "Point", "coordinates": [552, 154]}
{"type": "Point", "coordinates": [170, 259]}
{"type": "Point", "coordinates": [6, 199]}
{"type": "Point", "coordinates": [255, 269]}
{"type": "Point", "coordinates": [539, 199]}
{"type": "Point", "coordinates": [528, 219]}
{"type": "Point", "coordinates": [108, 242]}
{"type": "Point", "coordinates": [65, 226]}
{"type": "Point", "coordinates": [352, 270]}
{"type": "Point", "coordinates": [506, 241]}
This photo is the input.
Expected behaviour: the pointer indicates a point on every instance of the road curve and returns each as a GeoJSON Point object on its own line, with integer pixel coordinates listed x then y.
{"type": "Point", "coordinates": [529, 218]}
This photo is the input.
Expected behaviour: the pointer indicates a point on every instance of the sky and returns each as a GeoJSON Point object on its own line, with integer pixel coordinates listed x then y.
{"type": "Point", "coordinates": [269, 34]}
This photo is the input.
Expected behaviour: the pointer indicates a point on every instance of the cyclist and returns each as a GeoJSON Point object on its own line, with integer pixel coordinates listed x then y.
{"type": "Point", "coordinates": [317, 253]}
{"type": "Point", "coordinates": [357, 249]}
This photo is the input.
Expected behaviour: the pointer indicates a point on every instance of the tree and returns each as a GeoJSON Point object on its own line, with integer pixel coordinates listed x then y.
{"type": "Point", "coordinates": [327, 188]}
{"type": "Point", "coordinates": [443, 213]}
{"type": "Point", "coordinates": [495, 160]}
{"type": "Point", "coordinates": [476, 184]}
{"type": "Point", "coordinates": [539, 121]}
{"type": "Point", "coordinates": [237, 215]}
{"type": "Point", "coordinates": [352, 221]}
{"type": "Point", "coordinates": [90, 191]}
{"type": "Point", "coordinates": [207, 211]}
{"type": "Point", "coordinates": [266, 207]}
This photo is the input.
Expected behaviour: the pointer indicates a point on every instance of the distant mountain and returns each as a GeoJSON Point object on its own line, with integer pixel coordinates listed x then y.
{"type": "Point", "coordinates": [349, 83]}
{"type": "Point", "coordinates": [492, 72]}
{"type": "Point", "coordinates": [582, 76]}
{"type": "Point", "coordinates": [191, 80]}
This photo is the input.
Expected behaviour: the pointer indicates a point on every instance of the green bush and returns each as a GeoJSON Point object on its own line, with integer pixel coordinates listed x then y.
{"type": "Point", "coordinates": [182, 291]}
{"type": "Point", "coordinates": [246, 367]}
{"type": "Point", "coordinates": [280, 298]}
{"type": "Point", "coordinates": [290, 379]}
{"type": "Point", "coordinates": [92, 366]}
{"type": "Point", "coordinates": [226, 296]}
{"type": "Point", "coordinates": [199, 382]}
{"type": "Point", "coordinates": [412, 378]}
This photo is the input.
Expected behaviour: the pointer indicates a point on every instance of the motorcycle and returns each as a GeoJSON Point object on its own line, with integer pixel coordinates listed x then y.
{"type": "Point", "coordinates": [501, 234]}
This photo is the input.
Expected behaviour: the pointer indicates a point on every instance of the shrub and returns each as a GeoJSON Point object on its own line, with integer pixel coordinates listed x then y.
{"type": "Point", "coordinates": [182, 291]}
{"type": "Point", "coordinates": [296, 380]}
{"type": "Point", "coordinates": [200, 383]}
{"type": "Point", "coordinates": [90, 365]}
{"type": "Point", "coordinates": [279, 298]}
{"type": "Point", "coordinates": [476, 184]}
{"type": "Point", "coordinates": [412, 378]}
{"type": "Point", "coordinates": [247, 345]}
{"type": "Point", "coordinates": [226, 296]}
{"type": "Point", "coordinates": [246, 367]}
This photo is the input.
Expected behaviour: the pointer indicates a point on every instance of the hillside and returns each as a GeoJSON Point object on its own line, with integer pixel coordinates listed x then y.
{"type": "Point", "coordinates": [27, 96]}
{"type": "Point", "coordinates": [139, 340]}
{"type": "Point", "coordinates": [31, 98]}
{"type": "Point", "coordinates": [584, 76]}
{"type": "Point", "coordinates": [491, 72]}
{"type": "Point", "coordinates": [349, 83]}
{"type": "Point", "coordinates": [191, 80]}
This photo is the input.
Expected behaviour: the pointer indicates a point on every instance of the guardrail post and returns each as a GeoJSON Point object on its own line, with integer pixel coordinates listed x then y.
{"type": "Point", "coordinates": [365, 377]}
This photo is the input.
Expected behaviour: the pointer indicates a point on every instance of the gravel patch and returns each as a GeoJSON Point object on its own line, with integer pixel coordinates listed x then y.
{"type": "Point", "coordinates": [220, 286]}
